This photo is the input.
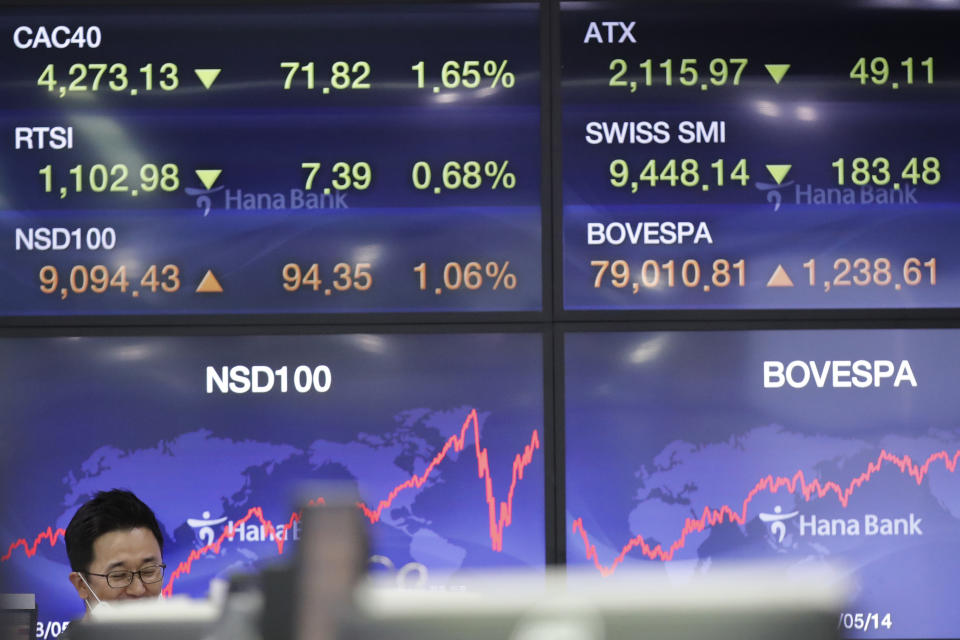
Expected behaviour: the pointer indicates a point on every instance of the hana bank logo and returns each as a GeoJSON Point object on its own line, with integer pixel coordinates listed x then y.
{"type": "Point", "coordinates": [204, 527]}
{"type": "Point", "coordinates": [772, 192]}
{"type": "Point", "coordinates": [240, 200]}
{"type": "Point", "coordinates": [900, 194]}
{"type": "Point", "coordinates": [777, 522]}
{"type": "Point", "coordinates": [203, 199]}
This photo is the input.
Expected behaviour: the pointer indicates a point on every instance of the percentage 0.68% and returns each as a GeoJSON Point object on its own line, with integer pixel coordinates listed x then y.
{"type": "Point", "coordinates": [470, 175]}
{"type": "Point", "coordinates": [470, 276]}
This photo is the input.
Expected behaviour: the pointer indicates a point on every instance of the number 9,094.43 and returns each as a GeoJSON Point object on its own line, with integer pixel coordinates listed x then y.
{"type": "Point", "coordinates": [101, 278]}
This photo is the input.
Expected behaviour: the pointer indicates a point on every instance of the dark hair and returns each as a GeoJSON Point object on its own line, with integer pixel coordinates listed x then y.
{"type": "Point", "coordinates": [117, 509]}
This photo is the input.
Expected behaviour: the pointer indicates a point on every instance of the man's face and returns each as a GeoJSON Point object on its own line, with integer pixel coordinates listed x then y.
{"type": "Point", "coordinates": [122, 550]}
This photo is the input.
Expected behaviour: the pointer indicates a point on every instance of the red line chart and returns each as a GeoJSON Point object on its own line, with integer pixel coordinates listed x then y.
{"type": "Point", "coordinates": [793, 484]}
{"type": "Point", "coordinates": [499, 518]}
{"type": "Point", "coordinates": [51, 535]}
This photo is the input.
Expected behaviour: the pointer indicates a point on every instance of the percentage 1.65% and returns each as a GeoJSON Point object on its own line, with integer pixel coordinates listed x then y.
{"type": "Point", "coordinates": [468, 74]}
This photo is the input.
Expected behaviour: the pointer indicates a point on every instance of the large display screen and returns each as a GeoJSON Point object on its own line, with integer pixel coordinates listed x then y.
{"type": "Point", "coordinates": [693, 450]}
{"type": "Point", "coordinates": [442, 435]}
{"type": "Point", "coordinates": [750, 155]}
{"type": "Point", "coordinates": [274, 159]}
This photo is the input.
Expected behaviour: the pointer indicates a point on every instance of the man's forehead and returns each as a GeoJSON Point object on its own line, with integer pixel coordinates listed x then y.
{"type": "Point", "coordinates": [124, 547]}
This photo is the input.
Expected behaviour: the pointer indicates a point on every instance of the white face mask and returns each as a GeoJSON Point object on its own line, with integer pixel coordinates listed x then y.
{"type": "Point", "coordinates": [100, 606]}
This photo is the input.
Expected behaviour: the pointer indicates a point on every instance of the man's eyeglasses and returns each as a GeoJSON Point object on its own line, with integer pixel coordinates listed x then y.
{"type": "Point", "coordinates": [122, 579]}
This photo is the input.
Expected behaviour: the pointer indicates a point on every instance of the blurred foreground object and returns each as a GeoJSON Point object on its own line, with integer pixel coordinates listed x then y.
{"type": "Point", "coordinates": [743, 603]}
{"type": "Point", "coordinates": [18, 616]}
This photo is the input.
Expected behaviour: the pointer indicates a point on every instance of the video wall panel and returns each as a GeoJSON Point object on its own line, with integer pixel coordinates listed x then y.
{"type": "Point", "coordinates": [687, 451]}
{"type": "Point", "coordinates": [756, 155]}
{"type": "Point", "coordinates": [442, 436]}
{"type": "Point", "coordinates": [281, 159]}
